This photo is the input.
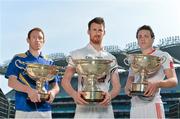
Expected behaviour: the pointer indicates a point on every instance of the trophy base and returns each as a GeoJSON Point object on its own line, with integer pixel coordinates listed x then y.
{"type": "Point", "coordinates": [141, 95]}
{"type": "Point", "coordinates": [138, 89]}
{"type": "Point", "coordinates": [137, 93]}
{"type": "Point", "coordinates": [44, 97]}
{"type": "Point", "coordinates": [93, 96]}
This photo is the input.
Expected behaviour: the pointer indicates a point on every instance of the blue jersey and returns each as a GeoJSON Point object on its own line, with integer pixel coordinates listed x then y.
{"type": "Point", "coordinates": [21, 101]}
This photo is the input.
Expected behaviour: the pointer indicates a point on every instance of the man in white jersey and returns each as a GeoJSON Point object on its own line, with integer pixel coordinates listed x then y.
{"type": "Point", "coordinates": [94, 49]}
{"type": "Point", "coordinates": [165, 78]}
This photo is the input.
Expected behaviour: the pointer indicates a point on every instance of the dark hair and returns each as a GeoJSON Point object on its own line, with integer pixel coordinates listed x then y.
{"type": "Point", "coordinates": [98, 20]}
{"type": "Point", "coordinates": [145, 27]}
{"type": "Point", "coordinates": [35, 29]}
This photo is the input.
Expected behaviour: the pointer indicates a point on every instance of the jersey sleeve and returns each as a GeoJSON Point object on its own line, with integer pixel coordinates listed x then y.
{"type": "Point", "coordinates": [167, 61]}
{"type": "Point", "coordinates": [12, 69]}
{"type": "Point", "coordinates": [57, 78]}
{"type": "Point", "coordinates": [114, 65]}
{"type": "Point", "coordinates": [70, 59]}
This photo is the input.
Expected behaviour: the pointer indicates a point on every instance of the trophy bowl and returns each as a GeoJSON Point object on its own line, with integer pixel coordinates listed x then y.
{"type": "Point", "coordinates": [40, 74]}
{"type": "Point", "coordinates": [145, 66]}
{"type": "Point", "coordinates": [38, 71]}
{"type": "Point", "coordinates": [150, 64]}
{"type": "Point", "coordinates": [90, 70]}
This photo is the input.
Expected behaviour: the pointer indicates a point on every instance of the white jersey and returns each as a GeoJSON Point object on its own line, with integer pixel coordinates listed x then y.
{"type": "Point", "coordinates": [153, 108]}
{"type": "Point", "coordinates": [93, 110]}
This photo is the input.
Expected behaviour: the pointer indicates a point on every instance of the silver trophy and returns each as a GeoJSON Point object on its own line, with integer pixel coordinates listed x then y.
{"type": "Point", "coordinates": [40, 74]}
{"type": "Point", "coordinates": [145, 66]}
{"type": "Point", "coordinates": [91, 69]}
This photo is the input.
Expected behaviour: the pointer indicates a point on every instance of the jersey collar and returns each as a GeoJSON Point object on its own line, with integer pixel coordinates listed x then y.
{"type": "Point", "coordinates": [28, 53]}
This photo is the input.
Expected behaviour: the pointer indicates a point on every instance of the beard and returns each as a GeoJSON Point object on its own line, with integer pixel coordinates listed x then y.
{"type": "Point", "coordinates": [96, 40]}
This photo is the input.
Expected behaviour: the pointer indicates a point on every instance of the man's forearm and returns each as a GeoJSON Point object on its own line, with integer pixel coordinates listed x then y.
{"type": "Point", "coordinates": [168, 83]}
{"type": "Point", "coordinates": [68, 88]}
{"type": "Point", "coordinates": [114, 93]}
{"type": "Point", "coordinates": [15, 84]}
{"type": "Point", "coordinates": [55, 88]}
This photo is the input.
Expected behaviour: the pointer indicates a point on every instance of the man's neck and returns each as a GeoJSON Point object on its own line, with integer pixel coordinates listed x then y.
{"type": "Point", "coordinates": [148, 51]}
{"type": "Point", "coordinates": [35, 52]}
{"type": "Point", "coordinates": [98, 47]}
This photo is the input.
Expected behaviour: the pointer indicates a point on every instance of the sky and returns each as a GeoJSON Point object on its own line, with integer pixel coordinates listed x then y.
{"type": "Point", "coordinates": [64, 23]}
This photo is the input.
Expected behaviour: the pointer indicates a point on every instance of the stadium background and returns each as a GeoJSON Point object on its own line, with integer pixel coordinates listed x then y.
{"type": "Point", "coordinates": [63, 106]}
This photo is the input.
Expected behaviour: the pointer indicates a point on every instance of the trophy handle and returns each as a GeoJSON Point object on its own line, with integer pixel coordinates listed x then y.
{"type": "Point", "coordinates": [163, 59]}
{"type": "Point", "coordinates": [17, 62]}
{"type": "Point", "coordinates": [126, 62]}
{"type": "Point", "coordinates": [60, 70]}
{"type": "Point", "coordinates": [69, 59]}
{"type": "Point", "coordinates": [114, 67]}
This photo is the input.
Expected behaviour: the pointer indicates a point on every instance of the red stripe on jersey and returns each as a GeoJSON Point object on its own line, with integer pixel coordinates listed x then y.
{"type": "Point", "coordinates": [158, 111]}
{"type": "Point", "coordinates": [151, 52]}
{"type": "Point", "coordinates": [171, 64]}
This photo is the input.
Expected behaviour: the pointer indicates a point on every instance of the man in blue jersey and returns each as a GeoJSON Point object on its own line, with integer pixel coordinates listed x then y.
{"type": "Point", "coordinates": [27, 99]}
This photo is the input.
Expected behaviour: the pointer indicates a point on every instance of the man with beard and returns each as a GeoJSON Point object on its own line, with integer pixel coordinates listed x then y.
{"type": "Point", "coordinates": [27, 98]}
{"type": "Point", "coordinates": [94, 49]}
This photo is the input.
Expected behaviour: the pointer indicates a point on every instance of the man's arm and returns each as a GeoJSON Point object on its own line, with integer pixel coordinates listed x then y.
{"type": "Point", "coordinates": [66, 84]}
{"type": "Point", "coordinates": [53, 92]}
{"type": "Point", "coordinates": [171, 81]}
{"type": "Point", "coordinates": [129, 82]}
{"type": "Point", "coordinates": [115, 89]}
{"type": "Point", "coordinates": [15, 84]}
{"type": "Point", "coordinates": [116, 86]}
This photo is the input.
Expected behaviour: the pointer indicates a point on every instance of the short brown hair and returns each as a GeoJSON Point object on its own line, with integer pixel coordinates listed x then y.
{"type": "Point", "coordinates": [35, 29]}
{"type": "Point", "coordinates": [98, 20]}
{"type": "Point", "coordinates": [145, 27]}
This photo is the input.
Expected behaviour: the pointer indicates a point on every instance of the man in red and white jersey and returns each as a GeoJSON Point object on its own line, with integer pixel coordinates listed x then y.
{"type": "Point", "coordinates": [164, 78]}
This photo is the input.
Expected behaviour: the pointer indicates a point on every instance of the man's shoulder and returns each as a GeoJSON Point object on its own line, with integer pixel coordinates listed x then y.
{"type": "Point", "coordinates": [162, 53]}
{"type": "Point", "coordinates": [47, 58]}
{"type": "Point", "coordinates": [22, 55]}
{"type": "Point", "coordinates": [110, 55]}
{"type": "Point", "coordinates": [77, 51]}
{"type": "Point", "coordinates": [16, 57]}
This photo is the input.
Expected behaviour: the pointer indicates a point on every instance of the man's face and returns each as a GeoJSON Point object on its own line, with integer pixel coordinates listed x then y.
{"type": "Point", "coordinates": [36, 40]}
{"type": "Point", "coordinates": [96, 33]}
{"type": "Point", "coordinates": [145, 40]}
